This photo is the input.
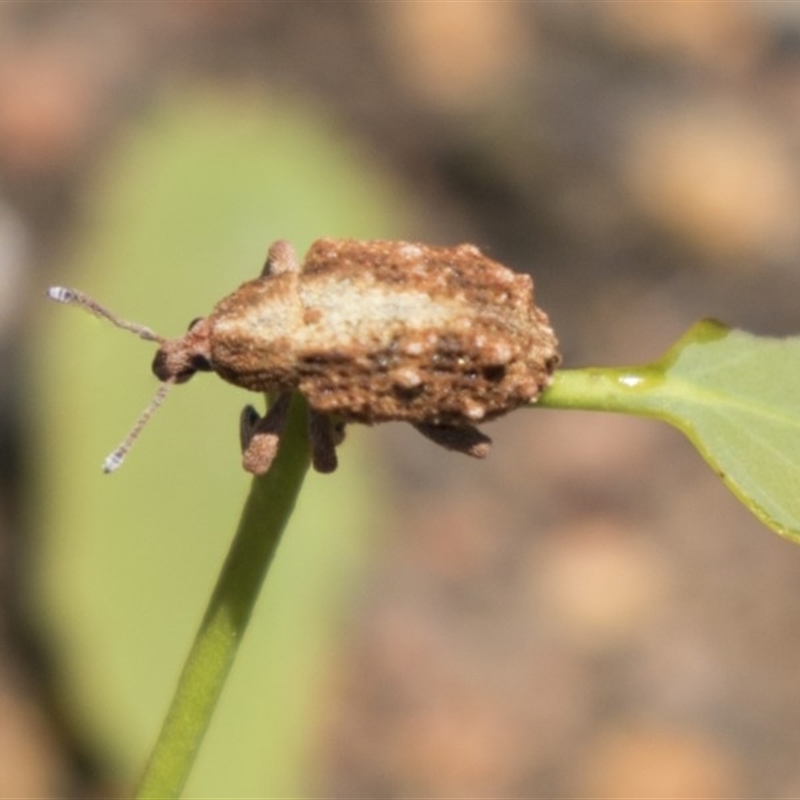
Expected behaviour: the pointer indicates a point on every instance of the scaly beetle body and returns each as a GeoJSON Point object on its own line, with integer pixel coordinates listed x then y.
{"type": "Point", "coordinates": [441, 337]}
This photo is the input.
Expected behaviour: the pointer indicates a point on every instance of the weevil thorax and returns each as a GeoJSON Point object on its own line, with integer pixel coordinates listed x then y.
{"type": "Point", "coordinates": [251, 333]}
{"type": "Point", "coordinates": [178, 359]}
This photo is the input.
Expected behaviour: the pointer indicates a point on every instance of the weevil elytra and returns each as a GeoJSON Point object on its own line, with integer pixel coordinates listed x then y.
{"type": "Point", "coordinates": [367, 331]}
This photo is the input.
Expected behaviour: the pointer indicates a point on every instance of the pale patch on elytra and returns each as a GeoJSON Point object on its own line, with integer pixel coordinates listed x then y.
{"type": "Point", "coordinates": [371, 311]}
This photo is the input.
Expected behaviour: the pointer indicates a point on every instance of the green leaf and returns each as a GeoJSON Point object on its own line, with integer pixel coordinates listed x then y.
{"type": "Point", "coordinates": [735, 395]}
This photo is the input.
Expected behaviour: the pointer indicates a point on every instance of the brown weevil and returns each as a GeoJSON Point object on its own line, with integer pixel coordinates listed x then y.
{"type": "Point", "coordinates": [367, 331]}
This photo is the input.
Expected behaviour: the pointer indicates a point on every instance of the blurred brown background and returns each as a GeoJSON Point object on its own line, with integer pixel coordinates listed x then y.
{"type": "Point", "coordinates": [588, 613]}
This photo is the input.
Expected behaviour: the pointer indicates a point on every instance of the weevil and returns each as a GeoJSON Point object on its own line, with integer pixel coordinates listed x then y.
{"type": "Point", "coordinates": [368, 331]}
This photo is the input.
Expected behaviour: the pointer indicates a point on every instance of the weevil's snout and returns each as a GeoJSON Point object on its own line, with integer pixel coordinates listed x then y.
{"type": "Point", "coordinates": [178, 359]}
{"type": "Point", "coordinates": [176, 362]}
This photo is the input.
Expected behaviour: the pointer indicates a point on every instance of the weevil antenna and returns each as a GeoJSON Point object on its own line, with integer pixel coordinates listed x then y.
{"type": "Point", "coordinates": [75, 298]}
{"type": "Point", "coordinates": [115, 459]}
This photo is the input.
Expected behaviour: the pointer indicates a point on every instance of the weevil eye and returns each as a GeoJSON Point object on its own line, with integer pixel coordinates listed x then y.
{"type": "Point", "coordinates": [200, 363]}
{"type": "Point", "coordinates": [194, 322]}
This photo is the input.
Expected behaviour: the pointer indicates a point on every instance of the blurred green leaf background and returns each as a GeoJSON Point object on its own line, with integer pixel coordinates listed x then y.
{"type": "Point", "coordinates": [180, 215]}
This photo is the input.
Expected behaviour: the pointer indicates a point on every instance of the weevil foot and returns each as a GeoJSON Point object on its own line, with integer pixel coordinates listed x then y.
{"type": "Point", "coordinates": [325, 435]}
{"type": "Point", "coordinates": [260, 436]}
{"type": "Point", "coordinates": [461, 438]}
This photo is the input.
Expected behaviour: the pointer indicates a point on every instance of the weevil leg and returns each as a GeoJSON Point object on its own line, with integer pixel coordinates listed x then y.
{"type": "Point", "coordinates": [248, 421]}
{"type": "Point", "coordinates": [260, 436]}
{"type": "Point", "coordinates": [280, 258]}
{"type": "Point", "coordinates": [338, 426]}
{"type": "Point", "coordinates": [325, 434]}
{"type": "Point", "coordinates": [461, 438]}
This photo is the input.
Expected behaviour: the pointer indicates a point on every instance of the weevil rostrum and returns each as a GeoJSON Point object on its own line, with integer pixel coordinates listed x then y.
{"type": "Point", "coordinates": [368, 331]}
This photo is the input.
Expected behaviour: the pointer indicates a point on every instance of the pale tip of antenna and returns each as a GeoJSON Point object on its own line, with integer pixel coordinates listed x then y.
{"type": "Point", "coordinates": [60, 294]}
{"type": "Point", "coordinates": [115, 459]}
{"type": "Point", "coordinates": [113, 462]}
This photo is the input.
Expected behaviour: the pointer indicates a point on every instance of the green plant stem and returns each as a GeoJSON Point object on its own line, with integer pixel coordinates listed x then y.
{"type": "Point", "coordinates": [622, 389]}
{"type": "Point", "coordinates": [266, 512]}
